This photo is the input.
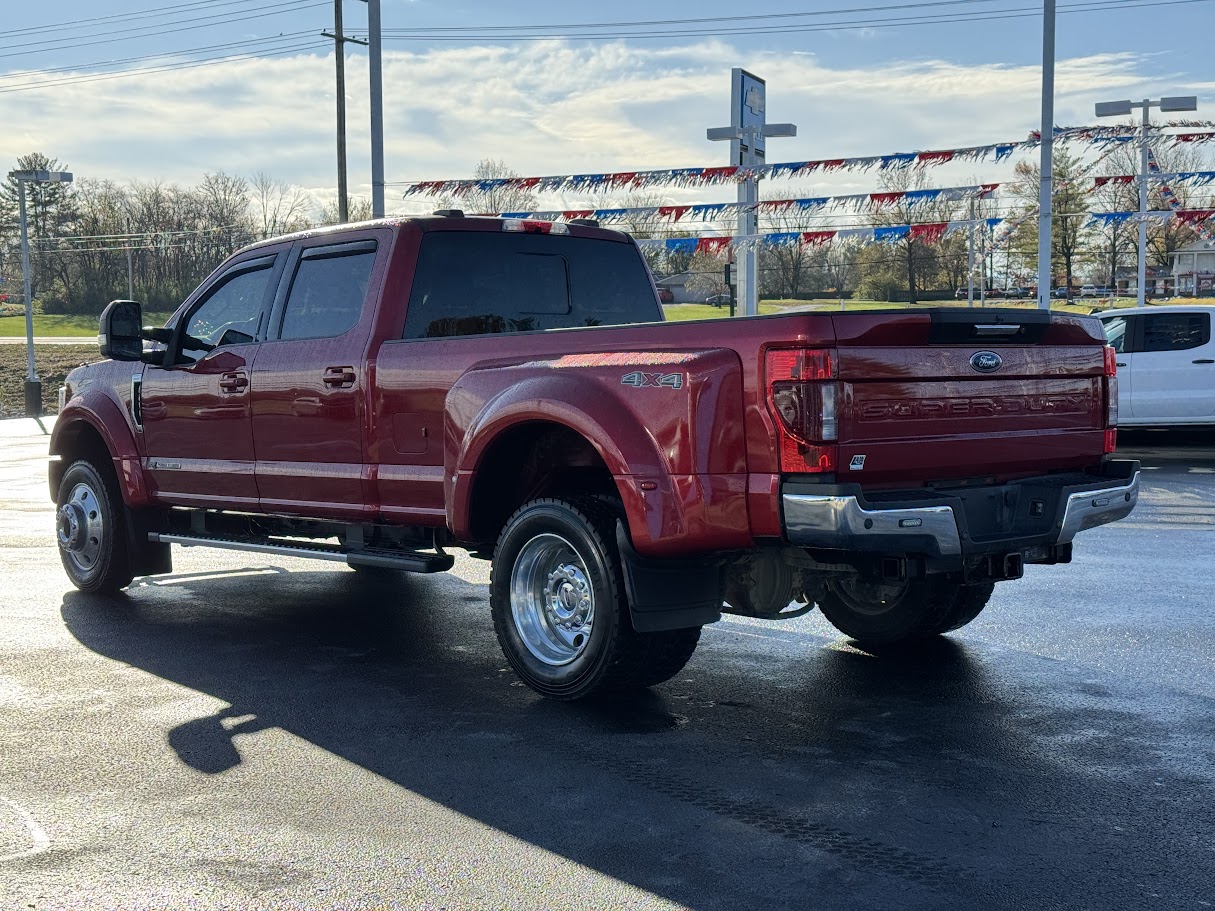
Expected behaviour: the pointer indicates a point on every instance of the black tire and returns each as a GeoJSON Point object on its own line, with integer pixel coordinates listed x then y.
{"type": "Point", "coordinates": [968, 603]}
{"type": "Point", "coordinates": [576, 540]}
{"type": "Point", "coordinates": [91, 529]}
{"type": "Point", "coordinates": [887, 613]}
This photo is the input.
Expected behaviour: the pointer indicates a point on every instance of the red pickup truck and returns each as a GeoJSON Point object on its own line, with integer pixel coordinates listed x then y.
{"type": "Point", "coordinates": [375, 393]}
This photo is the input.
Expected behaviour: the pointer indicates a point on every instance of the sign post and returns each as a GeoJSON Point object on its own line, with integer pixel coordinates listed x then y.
{"type": "Point", "coordinates": [747, 132]}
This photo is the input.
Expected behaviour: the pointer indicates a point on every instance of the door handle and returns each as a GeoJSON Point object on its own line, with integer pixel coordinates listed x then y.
{"type": "Point", "coordinates": [233, 382]}
{"type": "Point", "coordinates": [1119, 364]}
{"type": "Point", "coordinates": [1204, 360]}
{"type": "Point", "coordinates": [338, 377]}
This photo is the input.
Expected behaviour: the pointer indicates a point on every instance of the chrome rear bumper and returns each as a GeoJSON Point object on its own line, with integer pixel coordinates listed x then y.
{"type": "Point", "coordinates": [845, 521]}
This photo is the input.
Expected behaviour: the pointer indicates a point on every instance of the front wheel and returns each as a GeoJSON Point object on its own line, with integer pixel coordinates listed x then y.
{"type": "Point", "coordinates": [884, 613]}
{"type": "Point", "coordinates": [559, 606]}
{"type": "Point", "coordinates": [90, 525]}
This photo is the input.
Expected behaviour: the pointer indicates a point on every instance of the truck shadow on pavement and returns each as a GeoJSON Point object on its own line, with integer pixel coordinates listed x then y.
{"type": "Point", "coordinates": [766, 770]}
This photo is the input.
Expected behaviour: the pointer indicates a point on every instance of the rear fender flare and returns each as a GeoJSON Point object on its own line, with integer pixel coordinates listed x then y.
{"type": "Point", "coordinates": [479, 412]}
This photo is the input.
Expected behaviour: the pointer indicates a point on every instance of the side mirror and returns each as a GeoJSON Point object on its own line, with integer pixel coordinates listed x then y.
{"type": "Point", "coordinates": [120, 335]}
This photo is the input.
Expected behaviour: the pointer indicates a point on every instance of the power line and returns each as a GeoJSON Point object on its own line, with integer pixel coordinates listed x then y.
{"type": "Point", "coordinates": [151, 31]}
{"type": "Point", "coordinates": [640, 22]}
{"type": "Point", "coordinates": [206, 61]}
{"type": "Point", "coordinates": [139, 14]}
{"type": "Point", "coordinates": [266, 42]}
{"type": "Point", "coordinates": [483, 34]}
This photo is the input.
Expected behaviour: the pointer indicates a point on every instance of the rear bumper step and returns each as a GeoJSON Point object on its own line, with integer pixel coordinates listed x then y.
{"type": "Point", "coordinates": [406, 561]}
{"type": "Point", "coordinates": [938, 527]}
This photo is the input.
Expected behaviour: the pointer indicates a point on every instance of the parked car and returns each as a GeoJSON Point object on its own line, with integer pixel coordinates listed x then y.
{"type": "Point", "coordinates": [374, 394]}
{"type": "Point", "coordinates": [1166, 365]}
{"type": "Point", "coordinates": [718, 300]}
{"type": "Point", "coordinates": [1063, 293]}
{"type": "Point", "coordinates": [1088, 291]}
{"type": "Point", "coordinates": [665, 295]}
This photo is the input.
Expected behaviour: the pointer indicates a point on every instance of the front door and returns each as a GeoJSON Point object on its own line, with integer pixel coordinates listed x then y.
{"type": "Point", "coordinates": [196, 419]}
{"type": "Point", "coordinates": [310, 385]}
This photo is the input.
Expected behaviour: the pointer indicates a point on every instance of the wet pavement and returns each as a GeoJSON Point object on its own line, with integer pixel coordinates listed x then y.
{"type": "Point", "coordinates": [258, 733]}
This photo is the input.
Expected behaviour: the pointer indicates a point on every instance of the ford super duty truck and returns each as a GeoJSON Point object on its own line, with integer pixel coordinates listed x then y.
{"type": "Point", "coordinates": [375, 393]}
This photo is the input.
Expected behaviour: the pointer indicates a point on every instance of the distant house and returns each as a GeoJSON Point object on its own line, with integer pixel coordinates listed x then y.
{"type": "Point", "coordinates": [678, 284]}
{"type": "Point", "coordinates": [1194, 268]}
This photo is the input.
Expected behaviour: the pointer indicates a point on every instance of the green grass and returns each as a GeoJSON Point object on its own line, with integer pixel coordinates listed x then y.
{"type": "Point", "coordinates": [676, 312]}
{"type": "Point", "coordinates": [57, 326]}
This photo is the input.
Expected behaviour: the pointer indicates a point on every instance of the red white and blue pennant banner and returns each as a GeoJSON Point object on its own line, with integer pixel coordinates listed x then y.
{"type": "Point", "coordinates": [705, 177]}
{"type": "Point", "coordinates": [927, 233]}
{"type": "Point", "coordinates": [719, 210]}
{"type": "Point", "coordinates": [713, 246]}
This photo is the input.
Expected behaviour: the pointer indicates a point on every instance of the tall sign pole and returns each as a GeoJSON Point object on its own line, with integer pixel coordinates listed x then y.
{"type": "Point", "coordinates": [1046, 191]}
{"type": "Point", "coordinates": [747, 133]}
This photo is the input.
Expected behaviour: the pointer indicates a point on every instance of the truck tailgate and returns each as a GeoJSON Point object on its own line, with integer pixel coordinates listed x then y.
{"type": "Point", "coordinates": [952, 395]}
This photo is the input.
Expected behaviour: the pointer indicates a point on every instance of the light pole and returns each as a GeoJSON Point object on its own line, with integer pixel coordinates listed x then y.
{"type": "Point", "coordinates": [1122, 109]}
{"type": "Point", "coordinates": [33, 387]}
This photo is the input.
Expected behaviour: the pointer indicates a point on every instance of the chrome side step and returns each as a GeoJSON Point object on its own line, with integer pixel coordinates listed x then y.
{"type": "Point", "coordinates": [406, 561]}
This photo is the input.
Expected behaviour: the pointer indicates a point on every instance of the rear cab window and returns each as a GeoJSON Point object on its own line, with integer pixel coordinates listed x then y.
{"type": "Point", "coordinates": [482, 282]}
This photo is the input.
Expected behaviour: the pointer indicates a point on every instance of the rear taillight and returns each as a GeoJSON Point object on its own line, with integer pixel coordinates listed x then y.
{"type": "Point", "coordinates": [802, 398]}
{"type": "Point", "coordinates": [1111, 398]}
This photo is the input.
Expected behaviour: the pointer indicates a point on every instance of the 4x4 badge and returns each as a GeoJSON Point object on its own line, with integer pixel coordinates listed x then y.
{"type": "Point", "coordinates": [669, 380]}
{"type": "Point", "coordinates": [986, 361]}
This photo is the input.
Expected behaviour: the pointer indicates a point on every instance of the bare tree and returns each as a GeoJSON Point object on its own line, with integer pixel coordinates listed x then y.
{"type": "Point", "coordinates": [494, 200]}
{"type": "Point", "coordinates": [278, 207]}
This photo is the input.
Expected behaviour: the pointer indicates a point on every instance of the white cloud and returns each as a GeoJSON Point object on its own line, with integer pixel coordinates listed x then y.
{"type": "Point", "coordinates": [543, 108]}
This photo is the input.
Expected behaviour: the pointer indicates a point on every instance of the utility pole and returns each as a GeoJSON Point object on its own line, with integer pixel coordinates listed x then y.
{"type": "Point", "coordinates": [339, 56]}
{"type": "Point", "coordinates": [377, 108]}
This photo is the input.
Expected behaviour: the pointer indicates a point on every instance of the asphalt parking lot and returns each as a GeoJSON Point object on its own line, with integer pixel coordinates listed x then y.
{"type": "Point", "coordinates": [267, 733]}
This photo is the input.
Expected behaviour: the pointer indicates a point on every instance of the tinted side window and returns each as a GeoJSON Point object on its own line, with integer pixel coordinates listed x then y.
{"type": "Point", "coordinates": [231, 314]}
{"type": "Point", "coordinates": [327, 294]}
{"type": "Point", "coordinates": [477, 283]}
{"type": "Point", "coordinates": [1175, 331]}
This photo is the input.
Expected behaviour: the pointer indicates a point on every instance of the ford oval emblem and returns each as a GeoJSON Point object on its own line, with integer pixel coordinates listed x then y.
{"type": "Point", "coordinates": [986, 361]}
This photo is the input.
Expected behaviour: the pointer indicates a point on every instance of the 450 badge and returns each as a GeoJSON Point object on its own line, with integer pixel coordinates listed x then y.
{"type": "Point", "coordinates": [637, 378]}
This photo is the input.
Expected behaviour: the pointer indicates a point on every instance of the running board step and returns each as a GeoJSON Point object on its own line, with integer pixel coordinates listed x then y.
{"type": "Point", "coordinates": [406, 561]}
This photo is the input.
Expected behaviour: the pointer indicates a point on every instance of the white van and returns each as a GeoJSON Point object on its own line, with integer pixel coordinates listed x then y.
{"type": "Point", "coordinates": [1166, 365]}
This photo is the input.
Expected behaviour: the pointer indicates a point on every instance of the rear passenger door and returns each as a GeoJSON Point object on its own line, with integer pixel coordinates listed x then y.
{"type": "Point", "coordinates": [1173, 371]}
{"type": "Point", "coordinates": [309, 380]}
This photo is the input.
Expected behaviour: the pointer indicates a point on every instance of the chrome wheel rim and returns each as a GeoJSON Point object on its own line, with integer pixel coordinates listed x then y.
{"type": "Point", "coordinates": [870, 598]}
{"type": "Point", "coordinates": [80, 528]}
{"type": "Point", "coordinates": [552, 601]}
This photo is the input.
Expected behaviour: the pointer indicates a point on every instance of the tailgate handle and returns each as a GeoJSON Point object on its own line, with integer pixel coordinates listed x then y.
{"type": "Point", "coordinates": [997, 328]}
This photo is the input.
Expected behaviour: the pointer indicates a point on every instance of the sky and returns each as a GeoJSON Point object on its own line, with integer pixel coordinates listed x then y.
{"type": "Point", "coordinates": [858, 77]}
